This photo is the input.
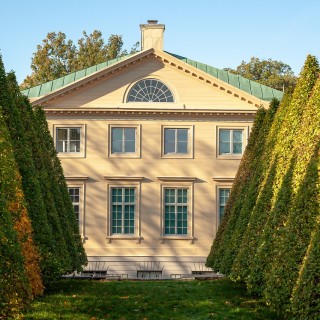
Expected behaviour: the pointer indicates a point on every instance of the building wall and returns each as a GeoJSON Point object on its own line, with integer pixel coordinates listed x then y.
{"type": "Point", "coordinates": [203, 166]}
{"type": "Point", "coordinates": [203, 171]}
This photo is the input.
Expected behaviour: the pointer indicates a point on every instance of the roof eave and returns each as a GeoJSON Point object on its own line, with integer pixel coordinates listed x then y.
{"type": "Point", "coordinates": [166, 59]}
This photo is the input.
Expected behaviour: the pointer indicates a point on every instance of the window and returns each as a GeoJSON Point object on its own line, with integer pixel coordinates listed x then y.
{"type": "Point", "coordinates": [230, 141]}
{"type": "Point", "coordinates": [175, 211]}
{"type": "Point", "coordinates": [123, 210]}
{"type": "Point", "coordinates": [75, 199]}
{"type": "Point", "coordinates": [150, 90]}
{"type": "Point", "coordinates": [123, 214]}
{"type": "Point", "coordinates": [177, 216]}
{"type": "Point", "coordinates": [223, 198]}
{"type": "Point", "coordinates": [177, 142]}
{"type": "Point", "coordinates": [68, 140]}
{"type": "Point", "coordinates": [76, 189]}
{"type": "Point", "coordinates": [123, 140]}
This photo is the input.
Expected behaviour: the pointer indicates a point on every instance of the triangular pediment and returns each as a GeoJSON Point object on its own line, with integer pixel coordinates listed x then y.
{"type": "Point", "coordinates": [47, 96]}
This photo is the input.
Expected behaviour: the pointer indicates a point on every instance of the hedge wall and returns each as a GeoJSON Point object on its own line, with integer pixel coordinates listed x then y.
{"type": "Point", "coordinates": [20, 278]}
{"type": "Point", "coordinates": [14, 284]}
{"type": "Point", "coordinates": [220, 257]}
{"type": "Point", "coordinates": [293, 236]}
{"type": "Point", "coordinates": [267, 238]}
{"type": "Point", "coordinates": [61, 200]}
{"type": "Point", "coordinates": [37, 222]}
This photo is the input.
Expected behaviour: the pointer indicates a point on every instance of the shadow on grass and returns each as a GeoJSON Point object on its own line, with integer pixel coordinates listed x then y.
{"type": "Point", "coordinates": [130, 300]}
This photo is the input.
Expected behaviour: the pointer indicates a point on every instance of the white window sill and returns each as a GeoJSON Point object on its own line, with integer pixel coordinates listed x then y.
{"type": "Point", "coordinates": [177, 156]}
{"type": "Point", "coordinates": [177, 237]}
{"type": "Point", "coordinates": [229, 156]}
{"type": "Point", "coordinates": [70, 155]}
{"type": "Point", "coordinates": [124, 237]}
{"type": "Point", "coordinates": [124, 155]}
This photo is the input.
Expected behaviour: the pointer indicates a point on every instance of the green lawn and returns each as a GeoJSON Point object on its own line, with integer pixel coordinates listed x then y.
{"type": "Point", "coordinates": [152, 300]}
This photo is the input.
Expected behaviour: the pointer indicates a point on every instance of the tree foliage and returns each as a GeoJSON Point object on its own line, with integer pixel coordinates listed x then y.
{"type": "Point", "coordinates": [272, 73]}
{"type": "Point", "coordinates": [14, 284]}
{"type": "Point", "coordinates": [272, 219]}
{"type": "Point", "coordinates": [39, 238]}
{"type": "Point", "coordinates": [57, 56]}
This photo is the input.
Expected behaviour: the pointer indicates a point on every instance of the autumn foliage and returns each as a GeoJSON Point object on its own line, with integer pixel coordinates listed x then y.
{"type": "Point", "coordinates": [39, 238]}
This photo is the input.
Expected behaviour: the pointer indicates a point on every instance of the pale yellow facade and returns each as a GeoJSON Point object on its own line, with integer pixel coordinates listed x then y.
{"type": "Point", "coordinates": [203, 106]}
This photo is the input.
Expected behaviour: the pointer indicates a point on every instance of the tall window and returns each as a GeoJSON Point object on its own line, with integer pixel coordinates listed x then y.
{"type": "Point", "coordinates": [75, 199]}
{"type": "Point", "coordinates": [176, 140]}
{"type": "Point", "coordinates": [223, 198]}
{"type": "Point", "coordinates": [68, 140]}
{"type": "Point", "coordinates": [175, 211]}
{"type": "Point", "coordinates": [123, 206]}
{"type": "Point", "coordinates": [123, 140]}
{"type": "Point", "coordinates": [150, 90]}
{"type": "Point", "coordinates": [230, 141]}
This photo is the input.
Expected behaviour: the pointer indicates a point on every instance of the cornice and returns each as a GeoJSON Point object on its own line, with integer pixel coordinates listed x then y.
{"type": "Point", "coordinates": [149, 112]}
{"type": "Point", "coordinates": [122, 178]}
{"type": "Point", "coordinates": [166, 59]}
{"type": "Point", "coordinates": [177, 179]}
{"type": "Point", "coordinates": [70, 178]}
{"type": "Point", "coordinates": [223, 179]}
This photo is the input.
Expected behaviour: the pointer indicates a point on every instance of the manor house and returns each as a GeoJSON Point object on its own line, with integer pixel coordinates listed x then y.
{"type": "Point", "coordinates": [150, 144]}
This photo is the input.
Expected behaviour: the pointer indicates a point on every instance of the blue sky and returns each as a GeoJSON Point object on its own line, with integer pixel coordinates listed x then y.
{"type": "Point", "coordinates": [220, 33]}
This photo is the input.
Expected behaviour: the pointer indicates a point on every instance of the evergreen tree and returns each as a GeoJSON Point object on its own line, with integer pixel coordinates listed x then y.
{"type": "Point", "coordinates": [14, 285]}
{"type": "Point", "coordinates": [277, 248]}
{"type": "Point", "coordinates": [46, 223]}
{"type": "Point", "coordinates": [56, 183]}
{"type": "Point", "coordinates": [238, 209]}
{"type": "Point", "coordinates": [305, 300]}
{"type": "Point", "coordinates": [40, 157]}
{"type": "Point", "coordinates": [217, 258]}
{"type": "Point", "coordinates": [300, 215]}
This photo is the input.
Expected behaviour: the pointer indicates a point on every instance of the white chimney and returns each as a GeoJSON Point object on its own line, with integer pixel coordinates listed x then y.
{"type": "Point", "coordinates": [152, 35]}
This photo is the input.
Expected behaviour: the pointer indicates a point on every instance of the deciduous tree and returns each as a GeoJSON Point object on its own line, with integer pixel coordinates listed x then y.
{"type": "Point", "coordinates": [57, 56]}
{"type": "Point", "coordinates": [272, 73]}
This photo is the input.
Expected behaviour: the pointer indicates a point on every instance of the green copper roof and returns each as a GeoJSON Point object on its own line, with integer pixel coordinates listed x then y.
{"type": "Point", "coordinates": [45, 88]}
{"type": "Point", "coordinates": [256, 89]}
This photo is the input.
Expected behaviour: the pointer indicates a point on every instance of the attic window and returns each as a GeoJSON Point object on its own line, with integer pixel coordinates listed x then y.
{"type": "Point", "coordinates": [150, 90]}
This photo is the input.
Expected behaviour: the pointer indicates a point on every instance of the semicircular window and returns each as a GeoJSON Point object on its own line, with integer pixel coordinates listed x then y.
{"type": "Point", "coordinates": [150, 90]}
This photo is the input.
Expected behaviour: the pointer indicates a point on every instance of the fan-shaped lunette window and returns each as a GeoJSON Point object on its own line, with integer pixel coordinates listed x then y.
{"type": "Point", "coordinates": [150, 90]}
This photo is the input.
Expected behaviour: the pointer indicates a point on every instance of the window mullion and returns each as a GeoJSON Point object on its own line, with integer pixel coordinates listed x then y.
{"type": "Point", "coordinates": [68, 140]}
{"type": "Point", "coordinates": [176, 211]}
{"type": "Point", "coordinates": [176, 140]}
{"type": "Point", "coordinates": [123, 140]}
{"type": "Point", "coordinates": [123, 209]}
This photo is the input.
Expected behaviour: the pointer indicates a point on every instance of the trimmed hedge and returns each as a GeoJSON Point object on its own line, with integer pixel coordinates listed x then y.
{"type": "Point", "coordinates": [56, 184]}
{"type": "Point", "coordinates": [222, 251]}
{"type": "Point", "coordinates": [51, 262]}
{"type": "Point", "coordinates": [32, 188]}
{"type": "Point", "coordinates": [42, 161]}
{"type": "Point", "coordinates": [247, 180]}
{"type": "Point", "coordinates": [293, 236]}
{"type": "Point", "coordinates": [14, 284]}
{"type": "Point", "coordinates": [20, 277]}
{"type": "Point", "coordinates": [272, 217]}
{"type": "Point", "coordinates": [305, 300]}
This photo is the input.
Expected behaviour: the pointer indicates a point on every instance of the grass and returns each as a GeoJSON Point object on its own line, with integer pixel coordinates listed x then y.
{"type": "Point", "coordinates": [152, 300]}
